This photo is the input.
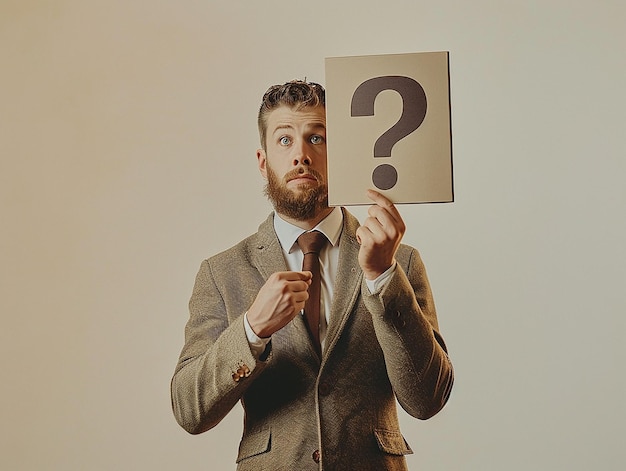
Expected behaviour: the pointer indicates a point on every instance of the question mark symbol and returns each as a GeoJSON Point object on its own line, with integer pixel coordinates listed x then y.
{"type": "Point", "coordinates": [413, 96]}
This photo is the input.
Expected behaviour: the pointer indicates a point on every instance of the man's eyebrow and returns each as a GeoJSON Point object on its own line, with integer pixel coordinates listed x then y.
{"type": "Point", "coordinates": [282, 126]}
{"type": "Point", "coordinates": [317, 126]}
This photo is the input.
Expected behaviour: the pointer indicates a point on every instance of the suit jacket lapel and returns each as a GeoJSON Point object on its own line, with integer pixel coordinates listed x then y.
{"type": "Point", "coordinates": [266, 252]}
{"type": "Point", "coordinates": [347, 286]}
{"type": "Point", "coordinates": [267, 255]}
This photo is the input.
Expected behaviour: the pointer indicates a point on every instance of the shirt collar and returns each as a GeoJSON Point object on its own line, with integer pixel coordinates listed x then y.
{"type": "Point", "coordinates": [288, 234]}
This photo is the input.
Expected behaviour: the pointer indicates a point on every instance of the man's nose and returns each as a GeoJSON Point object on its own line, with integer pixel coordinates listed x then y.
{"type": "Point", "coordinates": [301, 154]}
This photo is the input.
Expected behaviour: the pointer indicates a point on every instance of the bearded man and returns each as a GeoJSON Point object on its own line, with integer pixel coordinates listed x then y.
{"type": "Point", "coordinates": [318, 354]}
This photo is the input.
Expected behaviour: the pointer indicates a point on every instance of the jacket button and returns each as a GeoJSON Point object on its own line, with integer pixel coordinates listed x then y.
{"type": "Point", "coordinates": [242, 372]}
{"type": "Point", "coordinates": [316, 456]}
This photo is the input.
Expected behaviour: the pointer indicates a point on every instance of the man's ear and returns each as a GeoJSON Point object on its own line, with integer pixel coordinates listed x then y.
{"type": "Point", "coordinates": [261, 158]}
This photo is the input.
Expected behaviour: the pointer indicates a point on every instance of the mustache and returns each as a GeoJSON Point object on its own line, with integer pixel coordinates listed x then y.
{"type": "Point", "coordinates": [302, 170]}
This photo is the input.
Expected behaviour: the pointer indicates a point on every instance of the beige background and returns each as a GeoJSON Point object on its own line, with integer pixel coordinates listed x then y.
{"type": "Point", "coordinates": [127, 140]}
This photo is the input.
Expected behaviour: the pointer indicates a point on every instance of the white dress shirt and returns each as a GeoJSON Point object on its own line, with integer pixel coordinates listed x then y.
{"type": "Point", "coordinates": [331, 226]}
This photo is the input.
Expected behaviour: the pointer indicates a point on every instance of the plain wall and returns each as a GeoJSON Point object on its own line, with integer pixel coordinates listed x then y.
{"type": "Point", "coordinates": [127, 154]}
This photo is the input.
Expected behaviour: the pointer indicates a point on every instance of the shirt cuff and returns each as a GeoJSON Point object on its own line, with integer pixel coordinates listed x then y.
{"type": "Point", "coordinates": [375, 286]}
{"type": "Point", "coordinates": [257, 344]}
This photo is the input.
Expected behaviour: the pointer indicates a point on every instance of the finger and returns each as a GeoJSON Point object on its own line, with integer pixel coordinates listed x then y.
{"type": "Point", "coordinates": [385, 203]}
{"type": "Point", "coordinates": [378, 234]}
{"type": "Point", "coordinates": [390, 222]}
{"type": "Point", "coordinates": [299, 286]}
{"type": "Point", "coordinates": [301, 296]}
{"type": "Point", "coordinates": [378, 198]}
{"type": "Point", "coordinates": [368, 235]}
{"type": "Point", "coordinates": [307, 278]}
{"type": "Point", "coordinates": [296, 275]}
{"type": "Point", "coordinates": [380, 217]}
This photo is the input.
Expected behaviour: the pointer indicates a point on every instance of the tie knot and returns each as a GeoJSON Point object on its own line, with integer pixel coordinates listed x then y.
{"type": "Point", "coordinates": [312, 242]}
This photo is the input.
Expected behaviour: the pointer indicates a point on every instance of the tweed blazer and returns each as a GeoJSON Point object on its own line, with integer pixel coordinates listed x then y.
{"type": "Point", "coordinates": [303, 412]}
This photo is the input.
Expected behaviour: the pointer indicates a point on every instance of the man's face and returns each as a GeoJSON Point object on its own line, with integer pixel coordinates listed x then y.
{"type": "Point", "coordinates": [294, 161]}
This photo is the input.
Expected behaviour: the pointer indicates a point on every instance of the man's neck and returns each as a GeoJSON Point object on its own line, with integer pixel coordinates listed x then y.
{"type": "Point", "coordinates": [308, 224]}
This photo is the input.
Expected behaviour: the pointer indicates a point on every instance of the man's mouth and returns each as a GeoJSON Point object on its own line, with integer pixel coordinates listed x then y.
{"type": "Point", "coordinates": [303, 176]}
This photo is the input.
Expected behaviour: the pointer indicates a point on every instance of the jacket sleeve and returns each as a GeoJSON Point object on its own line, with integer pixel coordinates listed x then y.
{"type": "Point", "coordinates": [216, 365]}
{"type": "Point", "coordinates": [405, 323]}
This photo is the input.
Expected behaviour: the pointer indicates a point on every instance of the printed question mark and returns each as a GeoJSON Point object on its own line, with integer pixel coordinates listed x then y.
{"type": "Point", "coordinates": [385, 176]}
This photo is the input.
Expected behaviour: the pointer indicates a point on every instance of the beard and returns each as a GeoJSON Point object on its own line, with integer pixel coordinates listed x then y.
{"type": "Point", "coordinates": [302, 205]}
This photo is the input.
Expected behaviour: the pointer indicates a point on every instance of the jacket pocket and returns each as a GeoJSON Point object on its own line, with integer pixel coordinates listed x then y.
{"type": "Point", "coordinates": [254, 443]}
{"type": "Point", "coordinates": [392, 442]}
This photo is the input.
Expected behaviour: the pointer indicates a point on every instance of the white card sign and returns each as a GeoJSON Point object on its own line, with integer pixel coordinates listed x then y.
{"type": "Point", "coordinates": [388, 128]}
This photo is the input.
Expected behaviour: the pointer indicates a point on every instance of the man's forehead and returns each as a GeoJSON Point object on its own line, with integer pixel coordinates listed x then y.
{"type": "Point", "coordinates": [285, 116]}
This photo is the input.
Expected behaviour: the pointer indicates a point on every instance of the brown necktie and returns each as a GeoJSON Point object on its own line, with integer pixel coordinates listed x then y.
{"type": "Point", "coordinates": [311, 244]}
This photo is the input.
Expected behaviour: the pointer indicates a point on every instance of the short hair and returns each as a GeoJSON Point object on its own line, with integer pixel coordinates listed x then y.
{"type": "Point", "coordinates": [295, 94]}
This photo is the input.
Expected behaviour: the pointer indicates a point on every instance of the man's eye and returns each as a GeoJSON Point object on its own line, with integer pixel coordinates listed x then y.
{"type": "Point", "coordinates": [284, 141]}
{"type": "Point", "coordinates": [317, 139]}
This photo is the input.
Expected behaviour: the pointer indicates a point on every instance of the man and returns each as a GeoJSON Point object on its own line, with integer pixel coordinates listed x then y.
{"type": "Point", "coordinates": [317, 394]}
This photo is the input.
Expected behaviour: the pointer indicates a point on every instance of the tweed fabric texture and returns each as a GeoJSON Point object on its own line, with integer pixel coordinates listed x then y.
{"type": "Point", "coordinates": [379, 348]}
